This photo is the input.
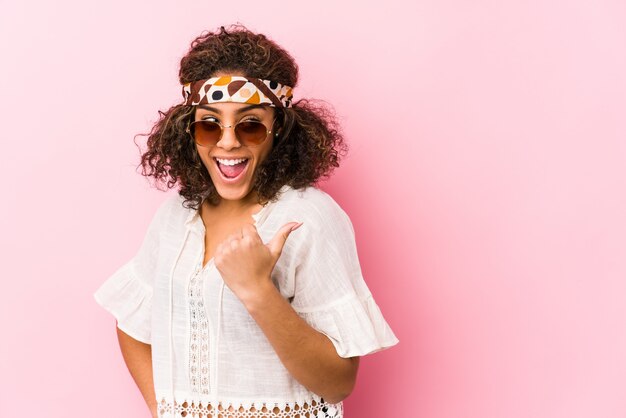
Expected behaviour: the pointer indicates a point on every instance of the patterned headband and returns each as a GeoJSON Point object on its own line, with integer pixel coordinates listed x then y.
{"type": "Point", "coordinates": [237, 89]}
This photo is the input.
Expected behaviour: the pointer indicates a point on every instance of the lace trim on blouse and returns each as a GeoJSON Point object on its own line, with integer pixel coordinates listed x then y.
{"type": "Point", "coordinates": [207, 409]}
{"type": "Point", "coordinates": [199, 340]}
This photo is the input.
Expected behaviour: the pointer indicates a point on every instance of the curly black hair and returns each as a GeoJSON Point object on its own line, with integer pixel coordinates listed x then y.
{"type": "Point", "coordinates": [308, 148]}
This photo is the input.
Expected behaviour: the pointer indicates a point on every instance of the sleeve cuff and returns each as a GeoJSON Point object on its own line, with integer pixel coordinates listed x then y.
{"type": "Point", "coordinates": [129, 300]}
{"type": "Point", "coordinates": [354, 325]}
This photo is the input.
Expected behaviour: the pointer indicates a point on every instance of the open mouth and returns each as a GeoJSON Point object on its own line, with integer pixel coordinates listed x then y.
{"type": "Point", "coordinates": [231, 169]}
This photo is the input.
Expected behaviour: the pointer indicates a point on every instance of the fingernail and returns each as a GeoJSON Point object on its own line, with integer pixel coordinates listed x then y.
{"type": "Point", "coordinates": [296, 226]}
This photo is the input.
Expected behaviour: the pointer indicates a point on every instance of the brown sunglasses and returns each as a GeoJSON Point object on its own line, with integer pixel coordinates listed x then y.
{"type": "Point", "coordinates": [207, 133]}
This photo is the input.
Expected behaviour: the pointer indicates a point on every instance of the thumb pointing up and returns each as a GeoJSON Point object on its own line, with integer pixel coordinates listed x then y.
{"type": "Point", "coordinates": [278, 242]}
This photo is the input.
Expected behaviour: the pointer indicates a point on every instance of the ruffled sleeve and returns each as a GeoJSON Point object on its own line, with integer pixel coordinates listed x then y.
{"type": "Point", "coordinates": [330, 293]}
{"type": "Point", "coordinates": [127, 293]}
{"type": "Point", "coordinates": [354, 325]}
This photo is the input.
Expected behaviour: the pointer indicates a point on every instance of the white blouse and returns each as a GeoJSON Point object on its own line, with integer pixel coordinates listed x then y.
{"type": "Point", "coordinates": [208, 354]}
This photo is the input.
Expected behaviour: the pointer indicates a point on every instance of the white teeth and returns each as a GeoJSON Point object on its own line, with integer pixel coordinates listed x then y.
{"type": "Point", "coordinates": [231, 162]}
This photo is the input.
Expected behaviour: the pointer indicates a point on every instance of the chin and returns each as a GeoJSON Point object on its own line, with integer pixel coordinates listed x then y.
{"type": "Point", "coordinates": [230, 193]}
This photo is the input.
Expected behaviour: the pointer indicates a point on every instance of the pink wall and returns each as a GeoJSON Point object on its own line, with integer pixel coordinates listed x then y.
{"type": "Point", "coordinates": [486, 183]}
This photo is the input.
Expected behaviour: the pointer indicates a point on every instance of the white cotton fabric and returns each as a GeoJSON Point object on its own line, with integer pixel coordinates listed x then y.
{"type": "Point", "coordinates": [208, 353]}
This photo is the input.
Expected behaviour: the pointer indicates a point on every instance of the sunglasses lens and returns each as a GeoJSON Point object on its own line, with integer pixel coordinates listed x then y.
{"type": "Point", "coordinates": [251, 132]}
{"type": "Point", "coordinates": [206, 132]}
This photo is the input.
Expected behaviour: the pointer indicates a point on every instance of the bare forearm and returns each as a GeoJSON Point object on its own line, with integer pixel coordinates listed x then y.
{"type": "Point", "coordinates": [138, 358]}
{"type": "Point", "coordinates": [306, 353]}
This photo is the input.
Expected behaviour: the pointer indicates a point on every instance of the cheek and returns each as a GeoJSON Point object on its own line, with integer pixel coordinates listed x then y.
{"type": "Point", "coordinates": [265, 152]}
{"type": "Point", "coordinates": [204, 157]}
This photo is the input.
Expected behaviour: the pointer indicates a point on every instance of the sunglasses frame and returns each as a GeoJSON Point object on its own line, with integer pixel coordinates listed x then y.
{"type": "Point", "coordinates": [223, 127]}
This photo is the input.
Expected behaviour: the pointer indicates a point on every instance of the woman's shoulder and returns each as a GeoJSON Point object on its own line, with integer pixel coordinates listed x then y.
{"type": "Point", "coordinates": [311, 203]}
{"type": "Point", "coordinates": [172, 210]}
{"type": "Point", "coordinates": [173, 204]}
{"type": "Point", "coordinates": [309, 197]}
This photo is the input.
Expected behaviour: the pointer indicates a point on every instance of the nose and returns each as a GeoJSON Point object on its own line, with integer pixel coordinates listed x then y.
{"type": "Point", "coordinates": [228, 140]}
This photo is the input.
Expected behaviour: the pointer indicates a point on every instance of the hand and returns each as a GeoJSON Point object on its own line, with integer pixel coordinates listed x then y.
{"type": "Point", "coordinates": [246, 263]}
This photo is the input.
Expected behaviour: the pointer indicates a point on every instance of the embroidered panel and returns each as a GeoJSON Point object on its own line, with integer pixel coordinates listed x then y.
{"type": "Point", "coordinates": [199, 338]}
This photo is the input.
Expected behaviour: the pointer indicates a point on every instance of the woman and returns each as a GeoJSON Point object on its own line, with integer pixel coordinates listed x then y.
{"type": "Point", "coordinates": [246, 297]}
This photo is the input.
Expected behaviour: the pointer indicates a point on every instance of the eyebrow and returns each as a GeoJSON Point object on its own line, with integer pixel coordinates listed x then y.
{"type": "Point", "coordinates": [241, 110]}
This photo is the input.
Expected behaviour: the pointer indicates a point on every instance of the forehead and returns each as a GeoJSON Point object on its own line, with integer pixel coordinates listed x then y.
{"type": "Point", "coordinates": [233, 108]}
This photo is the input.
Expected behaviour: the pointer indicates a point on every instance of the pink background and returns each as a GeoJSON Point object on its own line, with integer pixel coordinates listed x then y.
{"type": "Point", "coordinates": [486, 183]}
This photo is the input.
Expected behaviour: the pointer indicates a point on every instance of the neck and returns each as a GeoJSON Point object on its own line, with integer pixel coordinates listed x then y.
{"type": "Point", "coordinates": [237, 207]}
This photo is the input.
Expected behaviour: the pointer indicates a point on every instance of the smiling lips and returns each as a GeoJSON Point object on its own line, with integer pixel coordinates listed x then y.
{"type": "Point", "coordinates": [231, 168]}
